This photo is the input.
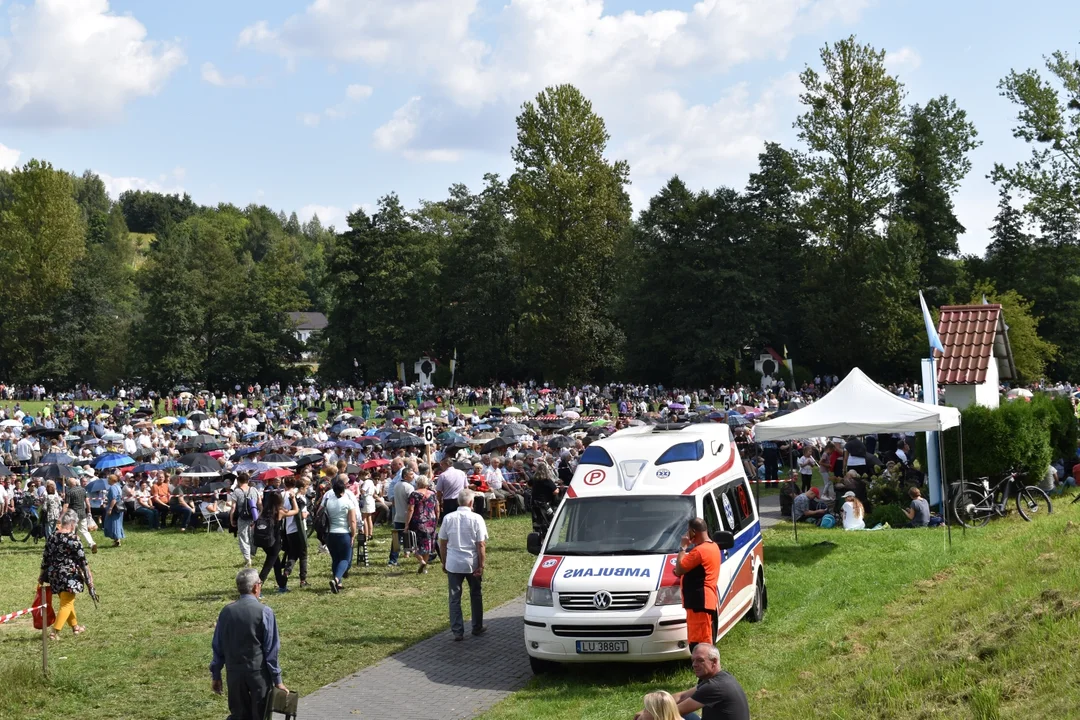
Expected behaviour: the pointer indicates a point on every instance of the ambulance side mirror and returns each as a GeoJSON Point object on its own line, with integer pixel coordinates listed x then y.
{"type": "Point", "coordinates": [534, 543]}
{"type": "Point", "coordinates": [724, 539]}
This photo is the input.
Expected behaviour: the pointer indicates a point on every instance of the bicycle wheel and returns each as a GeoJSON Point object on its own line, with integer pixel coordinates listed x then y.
{"type": "Point", "coordinates": [1032, 501]}
{"type": "Point", "coordinates": [972, 508]}
{"type": "Point", "coordinates": [24, 528]}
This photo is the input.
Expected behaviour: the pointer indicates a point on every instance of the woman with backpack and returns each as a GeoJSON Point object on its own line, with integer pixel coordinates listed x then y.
{"type": "Point", "coordinates": [268, 533]}
{"type": "Point", "coordinates": [340, 522]}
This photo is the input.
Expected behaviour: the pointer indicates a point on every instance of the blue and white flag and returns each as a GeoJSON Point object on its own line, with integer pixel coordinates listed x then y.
{"type": "Point", "coordinates": [931, 331]}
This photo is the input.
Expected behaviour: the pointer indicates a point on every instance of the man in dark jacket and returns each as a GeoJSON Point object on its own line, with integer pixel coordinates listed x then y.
{"type": "Point", "coordinates": [246, 644]}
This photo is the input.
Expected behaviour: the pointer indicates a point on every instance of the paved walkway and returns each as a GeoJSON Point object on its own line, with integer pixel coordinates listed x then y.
{"type": "Point", "coordinates": [769, 511]}
{"type": "Point", "coordinates": [436, 679]}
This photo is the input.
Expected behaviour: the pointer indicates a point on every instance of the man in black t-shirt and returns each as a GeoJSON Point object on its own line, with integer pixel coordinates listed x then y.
{"type": "Point", "coordinates": [718, 694]}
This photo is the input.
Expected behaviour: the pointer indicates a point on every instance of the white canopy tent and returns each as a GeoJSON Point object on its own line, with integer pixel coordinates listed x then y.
{"type": "Point", "coordinates": [857, 406]}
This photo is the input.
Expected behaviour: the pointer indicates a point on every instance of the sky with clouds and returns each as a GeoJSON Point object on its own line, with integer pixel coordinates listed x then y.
{"type": "Point", "coordinates": [325, 105]}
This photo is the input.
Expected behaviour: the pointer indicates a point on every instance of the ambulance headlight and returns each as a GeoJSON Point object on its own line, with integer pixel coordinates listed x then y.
{"type": "Point", "coordinates": [538, 596]}
{"type": "Point", "coordinates": [671, 595]}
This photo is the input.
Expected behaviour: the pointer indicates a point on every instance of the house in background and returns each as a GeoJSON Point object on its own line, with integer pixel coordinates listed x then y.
{"type": "Point", "coordinates": [305, 326]}
{"type": "Point", "coordinates": [977, 357]}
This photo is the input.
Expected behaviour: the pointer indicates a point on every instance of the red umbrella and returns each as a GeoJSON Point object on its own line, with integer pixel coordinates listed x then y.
{"type": "Point", "coordinates": [278, 472]}
{"type": "Point", "coordinates": [377, 462]}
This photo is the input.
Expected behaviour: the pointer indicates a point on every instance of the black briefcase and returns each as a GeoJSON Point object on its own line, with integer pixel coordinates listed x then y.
{"type": "Point", "coordinates": [279, 701]}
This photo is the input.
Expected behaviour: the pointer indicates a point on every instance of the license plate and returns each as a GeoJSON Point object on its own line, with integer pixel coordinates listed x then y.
{"type": "Point", "coordinates": [602, 646]}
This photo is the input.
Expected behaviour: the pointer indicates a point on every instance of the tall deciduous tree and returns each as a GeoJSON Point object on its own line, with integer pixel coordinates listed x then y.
{"type": "Point", "coordinates": [572, 214]}
{"type": "Point", "coordinates": [863, 277]}
{"type": "Point", "coordinates": [1048, 118]}
{"type": "Point", "coordinates": [41, 239]}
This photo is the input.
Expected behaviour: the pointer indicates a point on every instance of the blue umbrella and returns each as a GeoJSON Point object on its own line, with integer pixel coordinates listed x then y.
{"type": "Point", "coordinates": [252, 435]}
{"type": "Point", "coordinates": [349, 445]}
{"type": "Point", "coordinates": [58, 458]}
{"type": "Point", "coordinates": [145, 468]}
{"type": "Point", "coordinates": [99, 485]}
{"type": "Point", "coordinates": [737, 421]}
{"type": "Point", "coordinates": [481, 427]}
{"type": "Point", "coordinates": [168, 465]}
{"type": "Point", "coordinates": [112, 460]}
{"type": "Point", "coordinates": [244, 451]}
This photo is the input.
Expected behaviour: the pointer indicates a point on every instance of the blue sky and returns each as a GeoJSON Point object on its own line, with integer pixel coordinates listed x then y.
{"type": "Point", "coordinates": [326, 105]}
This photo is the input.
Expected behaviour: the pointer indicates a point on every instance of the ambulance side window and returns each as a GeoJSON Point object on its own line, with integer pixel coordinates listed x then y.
{"type": "Point", "coordinates": [710, 515]}
{"type": "Point", "coordinates": [734, 503]}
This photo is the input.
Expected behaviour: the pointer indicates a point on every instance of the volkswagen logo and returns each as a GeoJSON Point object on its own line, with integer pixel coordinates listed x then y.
{"type": "Point", "coordinates": [602, 600]}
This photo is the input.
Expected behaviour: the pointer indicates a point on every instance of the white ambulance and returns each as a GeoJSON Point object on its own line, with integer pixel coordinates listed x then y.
{"type": "Point", "coordinates": [603, 587]}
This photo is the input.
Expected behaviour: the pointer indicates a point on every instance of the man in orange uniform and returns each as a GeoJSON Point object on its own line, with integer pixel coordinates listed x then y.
{"type": "Point", "coordinates": [699, 567]}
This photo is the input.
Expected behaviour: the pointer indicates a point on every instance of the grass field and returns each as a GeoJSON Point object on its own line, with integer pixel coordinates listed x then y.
{"type": "Point", "coordinates": [882, 625]}
{"type": "Point", "coordinates": [147, 647]}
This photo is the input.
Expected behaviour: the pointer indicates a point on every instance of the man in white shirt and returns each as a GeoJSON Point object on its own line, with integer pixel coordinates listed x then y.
{"type": "Point", "coordinates": [24, 450]}
{"type": "Point", "coordinates": [130, 447]}
{"type": "Point", "coordinates": [463, 553]}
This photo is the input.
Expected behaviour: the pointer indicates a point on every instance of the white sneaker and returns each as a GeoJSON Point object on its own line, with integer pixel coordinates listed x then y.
{"type": "Point", "coordinates": [323, 550]}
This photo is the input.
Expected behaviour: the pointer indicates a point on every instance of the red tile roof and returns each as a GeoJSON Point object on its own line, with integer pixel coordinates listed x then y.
{"type": "Point", "coordinates": [968, 333]}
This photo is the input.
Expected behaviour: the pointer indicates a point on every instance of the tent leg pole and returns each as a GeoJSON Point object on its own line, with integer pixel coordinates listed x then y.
{"type": "Point", "coordinates": [960, 442]}
{"type": "Point", "coordinates": [944, 498]}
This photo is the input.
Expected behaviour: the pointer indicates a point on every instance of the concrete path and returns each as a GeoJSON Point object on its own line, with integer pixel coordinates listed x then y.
{"type": "Point", "coordinates": [769, 511]}
{"type": "Point", "coordinates": [436, 679]}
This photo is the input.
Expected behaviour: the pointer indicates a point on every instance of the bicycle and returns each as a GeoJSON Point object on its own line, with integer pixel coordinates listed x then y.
{"type": "Point", "coordinates": [975, 504]}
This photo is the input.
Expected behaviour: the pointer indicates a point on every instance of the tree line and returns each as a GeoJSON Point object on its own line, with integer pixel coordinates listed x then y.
{"type": "Point", "coordinates": [547, 274]}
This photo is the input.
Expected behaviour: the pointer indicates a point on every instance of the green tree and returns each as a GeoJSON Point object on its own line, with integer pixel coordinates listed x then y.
{"type": "Point", "coordinates": [479, 296]}
{"type": "Point", "coordinates": [1048, 119]}
{"type": "Point", "coordinates": [384, 270]}
{"type": "Point", "coordinates": [936, 140]}
{"type": "Point", "coordinates": [692, 303]}
{"type": "Point", "coordinates": [42, 237]}
{"type": "Point", "coordinates": [572, 215]}
{"type": "Point", "coordinates": [1031, 353]}
{"type": "Point", "coordinates": [778, 238]}
{"type": "Point", "coordinates": [862, 280]}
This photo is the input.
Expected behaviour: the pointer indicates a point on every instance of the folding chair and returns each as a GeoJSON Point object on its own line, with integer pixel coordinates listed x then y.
{"type": "Point", "coordinates": [211, 519]}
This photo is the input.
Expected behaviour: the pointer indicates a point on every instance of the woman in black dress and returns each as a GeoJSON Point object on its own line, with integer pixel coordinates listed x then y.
{"type": "Point", "coordinates": [63, 566]}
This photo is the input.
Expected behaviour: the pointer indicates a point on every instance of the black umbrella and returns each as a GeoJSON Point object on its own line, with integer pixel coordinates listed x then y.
{"type": "Point", "coordinates": [197, 416]}
{"type": "Point", "coordinates": [53, 471]}
{"type": "Point", "coordinates": [279, 460]}
{"type": "Point", "coordinates": [351, 469]}
{"type": "Point", "coordinates": [212, 445]}
{"type": "Point", "coordinates": [369, 440]}
{"type": "Point", "coordinates": [201, 465]}
{"type": "Point", "coordinates": [306, 442]}
{"type": "Point", "coordinates": [561, 441]}
{"type": "Point", "coordinates": [57, 458]}
{"type": "Point", "coordinates": [463, 465]}
{"type": "Point", "coordinates": [45, 431]}
{"type": "Point", "coordinates": [192, 458]}
{"type": "Point", "coordinates": [498, 444]}
{"type": "Point", "coordinates": [142, 453]}
{"type": "Point", "coordinates": [397, 440]}
{"type": "Point", "coordinates": [309, 459]}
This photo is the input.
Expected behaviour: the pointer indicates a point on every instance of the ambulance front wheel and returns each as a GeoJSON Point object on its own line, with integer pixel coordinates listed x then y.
{"type": "Point", "coordinates": [542, 667]}
{"type": "Point", "coordinates": [761, 601]}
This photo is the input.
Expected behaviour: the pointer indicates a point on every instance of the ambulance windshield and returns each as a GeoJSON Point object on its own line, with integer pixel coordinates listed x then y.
{"type": "Point", "coordinates": [620, 526]}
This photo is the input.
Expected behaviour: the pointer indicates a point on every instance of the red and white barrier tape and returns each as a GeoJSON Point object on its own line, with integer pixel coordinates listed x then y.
{"type": "Point", "coordinates": [19, 613]}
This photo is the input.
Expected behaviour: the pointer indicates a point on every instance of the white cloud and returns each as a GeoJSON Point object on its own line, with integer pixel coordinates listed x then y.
{"type": "Point", "coordinates": [311, 119]}
{"type": "Point", "coordinates": [905, 58]}
{"type": "Point", "coordinates": [396, 133]}
{"type": "Point", "coordinates": [359, 92]}
{"type": "Point", "coordinates": [213, 76]}
{"type": "Point", "coordinates": [9, 157]}
{"type": "Point", "coordinates": [436, 155]}
{"type": "Point", "coordinates": [72, 62]}
{"type": "Point", "coordinates": [672, 136]}
{"type": "Point", "coordinates": [329, 215]}
{"type": "Point", "coordinates": [169, 184]}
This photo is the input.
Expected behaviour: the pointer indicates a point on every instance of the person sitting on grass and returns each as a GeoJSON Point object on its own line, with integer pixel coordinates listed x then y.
{"type": "Point", "coordinates": [806, 507]}
{"type": "Point", "coordinates": [853, 512]}
{"type": "Point", "coordinates": [718, 694]}
{"type": "Point", "coordinates": [919, 511]}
